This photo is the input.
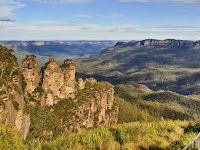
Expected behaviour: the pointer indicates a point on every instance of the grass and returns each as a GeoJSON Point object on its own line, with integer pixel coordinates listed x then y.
{"type": "Point", "coordinates": [153, 135]}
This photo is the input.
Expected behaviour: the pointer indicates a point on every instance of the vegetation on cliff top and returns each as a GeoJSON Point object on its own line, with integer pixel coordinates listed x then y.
{"type": "Point", "coordinates": [153, 135]}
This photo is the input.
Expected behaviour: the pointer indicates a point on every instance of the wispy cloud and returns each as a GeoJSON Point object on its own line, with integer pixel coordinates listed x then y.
{"type": "Point", "coordinates": [111, 15]}
{"type": "Point", "coordinates": [82, 16]}
{"type": "Point", "coordinates": [7, 19]}
{"type": "Point", "coordinates": [179, 27]}
{"type": "Point", "coordinates": [7, 6]}
{"type": "Point", "coordinates": [123, 29]}
{"type": "Point", "coordinates": [56, 23]}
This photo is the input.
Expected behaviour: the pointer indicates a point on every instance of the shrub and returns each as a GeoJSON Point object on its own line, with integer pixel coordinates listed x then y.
{"type": "Point", "coordinates": [15, 105]}
{"type": "Point", "coordinates": [9, 139]}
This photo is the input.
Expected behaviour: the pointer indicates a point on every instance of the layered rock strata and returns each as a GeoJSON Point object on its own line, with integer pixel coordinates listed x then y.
{"type": "Point", "coordinates": [91, 103]}
{"type": "Point", "coordinates": [30, 72]}
{"type": "Point", "coordinates": [153, 42]}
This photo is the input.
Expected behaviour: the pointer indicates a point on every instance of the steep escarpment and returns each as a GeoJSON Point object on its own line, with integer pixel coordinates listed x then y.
{"type": "Point", "coordinates": [51, 102]}
{"type": "Point", "coordinates": [11, 94]}
{"type": "Point", "coordinates": [154, 42]}
{"type": "Point", "coordinates": [159, 64]}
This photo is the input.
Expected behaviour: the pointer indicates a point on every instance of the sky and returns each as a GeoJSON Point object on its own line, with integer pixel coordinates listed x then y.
{"type": "Point", "coordinates": [99, 19]}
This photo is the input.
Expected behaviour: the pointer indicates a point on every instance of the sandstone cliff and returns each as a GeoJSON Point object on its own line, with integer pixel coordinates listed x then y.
{"type": "Point", "coordinates": [153, 42]}
{"type": "Point", "coordinates": [11, 94]}
{"type": "Point", "coordinates": [43, 43]}
{"type": "Point", "coordinates": [77, 105]}
{"type": "Point", "coordinates": [51, 102]}
{"type": "Point", "coordinates": [30, 72]}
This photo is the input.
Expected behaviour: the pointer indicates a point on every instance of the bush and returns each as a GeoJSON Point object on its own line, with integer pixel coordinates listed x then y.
{"type": "Point", "coordinates": [2, 103]}
{"type": "Point", "coordinates": [9, 139]}
{"type": "Point", "coordinates": [15, 105]}
{"type": "Point", "coordinates": [39, 89]}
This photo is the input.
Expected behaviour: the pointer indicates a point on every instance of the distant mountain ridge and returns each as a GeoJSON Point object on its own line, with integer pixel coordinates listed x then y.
{"type": "Point", "coordinates": [58, 48]}
{"type": "Point", "coordinates": [154, 42]}
{"type": "Point", "coordinates": [159, 64]}
{"type": "Point", "coordinates": [42, 43]}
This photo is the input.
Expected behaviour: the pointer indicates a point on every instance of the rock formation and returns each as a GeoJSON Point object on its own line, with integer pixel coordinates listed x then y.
{"type": "Point", "coordinates": [11, 96]}
{"type": "Point", "coordinates": [77, 105]}
{"type": "Point", "coordinates": [57, 82]}
{"type": "Point", "coordinates": [53, 80]}
{"type": "Point", "coordinates": [98, 110]}
{"type": "Point", "coordinates": [91, 103]}
{"type": "Point", "coordinates": [30, 72]}
{"type": "Point", "coordinates": [68, 88]}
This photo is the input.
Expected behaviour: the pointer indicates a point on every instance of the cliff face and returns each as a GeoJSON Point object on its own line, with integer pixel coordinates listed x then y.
{"type": "Point", "coordinates": [153, 42]}
{"type": "Point", "coordinates": [57, 82]}
{"type": "Point", "coordinates": [95, 106]}
{"type": "Point", "coordinates": [43, 43]}
{"type": "Point", "coordinates": [78, 105]}
{"type": "Point", "coordinates": [11, 94]}
{"type": "Point", "coordinates": [61, 103]}
{"type": "Point", "coordinates": [30, 72]}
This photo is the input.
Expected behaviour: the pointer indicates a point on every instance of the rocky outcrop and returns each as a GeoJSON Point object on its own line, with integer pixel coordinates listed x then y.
{"type": "Point", "coordinates": [30, 72]}
{"type": "Point", "coordinates": [98, 109]}
{"type": "Point", "coordinates": [68, 88]}
{"type": "Point", "coordinates": [53, 80]}
{"type": "Point", "coordinates": [77, 105]}
{"type": "Point", "coordinates": [89, 103]}
{"type": "Point", "coordinates": [57, 82]}
{"type": "Point", "coordinates": [11, 96]}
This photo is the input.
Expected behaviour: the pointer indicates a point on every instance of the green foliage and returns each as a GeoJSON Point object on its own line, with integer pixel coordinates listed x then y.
{"type": "Point", "coordinates": [2, 81]}
{"type": "Point", "coordinates": [90, 91]}
{"type": "Point", "coordinates": [138, 103]}
{"type": "Point", "coordinates": [43, 120]}
{"type": "Point", "coordinates": [2, 102]}
{"type": "Point", "coordinates": [64, 109]}
{"type": "Point", "coordinates": [23, 83]}
{"type": "Point", "coordinates": [9, 139]}
{"type": "Point", "coordinates": [154, 135]}
{"type": "Point", "coordinates": [17, 88]}
{"type": "Point", "coordinates": [132, 91]}
{"type": "Point", "coordinates": [174, 68]}
{"type": "Point", "coordinates": [8, 63]}
{"type": "Point", "coordinates": [39, 89]}
{"type": "Point", "coordinates": [15, 105]}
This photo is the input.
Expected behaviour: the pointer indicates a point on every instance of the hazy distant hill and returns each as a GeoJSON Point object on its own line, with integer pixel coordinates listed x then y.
{"type": "Point", "coordinates": [55, 48]}
{"type": "Point", "coordinates": [168, 65]}
{"type": "Point", "coordinates": [59, 49]}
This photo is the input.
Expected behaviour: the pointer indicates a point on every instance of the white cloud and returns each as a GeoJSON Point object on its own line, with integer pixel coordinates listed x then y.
{"type": "Point", "coordinates": [53, 30]}
{"type": "Point", "coordinates": [7, 6]}
{"type": "Point", "coordinates": [63, 27]}
{"type": "Point", "coordinates": [7, 19]}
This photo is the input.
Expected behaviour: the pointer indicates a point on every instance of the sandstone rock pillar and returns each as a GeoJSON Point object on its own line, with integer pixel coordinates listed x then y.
{"type": "Point", "coordinates": [30, 72]}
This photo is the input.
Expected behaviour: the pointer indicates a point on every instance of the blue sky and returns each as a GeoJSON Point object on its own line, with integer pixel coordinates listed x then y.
{"type": "Point", "coordinates": [99, 19]}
